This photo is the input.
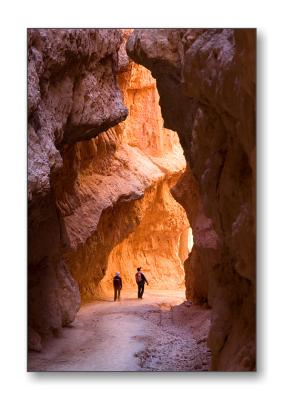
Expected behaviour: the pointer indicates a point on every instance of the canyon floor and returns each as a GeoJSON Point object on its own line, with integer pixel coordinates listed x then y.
{"type": "Point", "coordinates": [161, 332]}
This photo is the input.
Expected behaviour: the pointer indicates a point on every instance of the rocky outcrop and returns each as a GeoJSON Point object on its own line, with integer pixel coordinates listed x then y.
{"type": "Point", "coordinates": [95, 183]}
{"type": "Point", "coordinates": [206, 82]}
{"type": "Point", "coordinates": [121, 180]}
{"type": "Point", "coordinates": [72, 96]}
{"type": "Point", "coordinates": [205, 251]}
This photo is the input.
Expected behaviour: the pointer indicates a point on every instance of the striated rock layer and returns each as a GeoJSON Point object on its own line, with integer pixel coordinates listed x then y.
{"type": "Point", "coordinates": [206, 82]}
{"type": "Point", "coordinates": [99, 190]}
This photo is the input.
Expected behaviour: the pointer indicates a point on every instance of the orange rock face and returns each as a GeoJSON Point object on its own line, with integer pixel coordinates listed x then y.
{"type": "Point", "coordinates": [103, 204]}
{"type": "Point", "coordinates": [206, 82]}
{"type": "Point", "coordinates": [156, 243]}
{"type": "Point", "coordinates": [122, 189]}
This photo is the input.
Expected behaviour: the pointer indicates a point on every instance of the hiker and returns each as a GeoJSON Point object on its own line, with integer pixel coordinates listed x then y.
{"type": "Point", "coordinates": [140, 280]}
{"type": "Point", "coordinates": [117, 286]}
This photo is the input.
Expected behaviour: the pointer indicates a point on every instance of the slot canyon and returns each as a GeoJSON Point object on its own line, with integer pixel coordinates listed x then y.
{"type": "Point", "coordinates": [141, 152]}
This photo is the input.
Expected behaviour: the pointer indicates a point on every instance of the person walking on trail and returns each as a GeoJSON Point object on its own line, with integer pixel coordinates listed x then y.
{"type": "Point", "coordinates": [140, 280]}
{"type": "Point", "coordinates": [117, 286]}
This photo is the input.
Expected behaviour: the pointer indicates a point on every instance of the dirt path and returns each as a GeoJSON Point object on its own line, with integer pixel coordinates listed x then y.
{"type": "Point", "coordinates": [158, 333]}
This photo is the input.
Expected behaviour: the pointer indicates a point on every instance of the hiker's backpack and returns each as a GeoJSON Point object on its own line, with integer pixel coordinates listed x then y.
{"type": "Point", "coordinates": [138, 277]}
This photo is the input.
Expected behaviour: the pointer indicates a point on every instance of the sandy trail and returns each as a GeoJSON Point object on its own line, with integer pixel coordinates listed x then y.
{"type": "Point", "coordinates": [158, 333]}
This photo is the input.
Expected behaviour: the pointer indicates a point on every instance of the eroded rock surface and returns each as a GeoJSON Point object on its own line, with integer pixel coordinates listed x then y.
{"type": "Point", "coordinates": [121, 190]}
{"type": "Point", "coordinates": [206, 82]}
{"type": "Point", "coordinates": [99, 188]}
{"type": "Point", "coordinates": [72, 95]}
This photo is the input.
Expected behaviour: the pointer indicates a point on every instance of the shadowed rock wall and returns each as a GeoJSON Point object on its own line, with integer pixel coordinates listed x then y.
{"type": "Point", "coordinates": [92, 179]}
{"type": "Point", "coordinates": [72, 95]}
{"type": "Point", "coordinates": [206, 82]}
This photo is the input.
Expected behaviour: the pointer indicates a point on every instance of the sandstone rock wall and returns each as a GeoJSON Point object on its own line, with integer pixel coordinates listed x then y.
{"type": "Point", "coordinates": [122, 194]}
{"type": "Point", "coordinates": [206, 82]}
{"type": "Point", "coordinates": [94, 184]}
{"type": "Point", "coordinates": [72, 95]}
{"type": "Point", "coordinates": [155, 244]}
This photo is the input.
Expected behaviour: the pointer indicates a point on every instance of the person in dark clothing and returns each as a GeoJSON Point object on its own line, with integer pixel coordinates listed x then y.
{"type": "Point", "coordinates": [117, 286]}
{"type": "Point", "coordinates": [140, 280]}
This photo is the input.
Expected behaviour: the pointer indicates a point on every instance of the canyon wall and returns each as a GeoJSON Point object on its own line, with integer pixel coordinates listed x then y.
{"type": "Point", "coordinates": [156, 242]}
{"type": "Point", "coordinates": [98, 188]}
{"type": "Point", "coordinates": [122, 196]}
{"type": "Point", "coordinates": [206, 83]}
{"type": "Point", "coordinates": [72, 95]}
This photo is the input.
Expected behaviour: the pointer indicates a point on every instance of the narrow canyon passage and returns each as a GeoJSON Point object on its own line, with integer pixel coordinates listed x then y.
{"type": "Point", "coordinates": [159, 333]}
{"type": "Point", "coordinates": [141, 152]}
{"type": "Point", "coordinates": [117, 212]}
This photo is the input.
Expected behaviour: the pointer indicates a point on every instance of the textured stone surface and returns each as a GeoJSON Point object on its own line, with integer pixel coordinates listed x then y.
{"type": "Point", "coordinates": [72, 95]}
{"type": "Point", "coordinates": [121, 192]}
{"type": "Point", "coordinates": [91, 181]}
{"type": "Point", "coordinates": [34, 340]}
{"type": "Point", "coordinates": [205, 252]}
{"type": "Point", "coordinates": [206, 82]}
{"type": "Point", "coordinates": [154, 244]}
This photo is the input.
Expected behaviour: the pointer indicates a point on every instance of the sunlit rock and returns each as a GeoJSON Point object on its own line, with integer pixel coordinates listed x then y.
{"type": "Point", "coordinates": [98, 188]}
